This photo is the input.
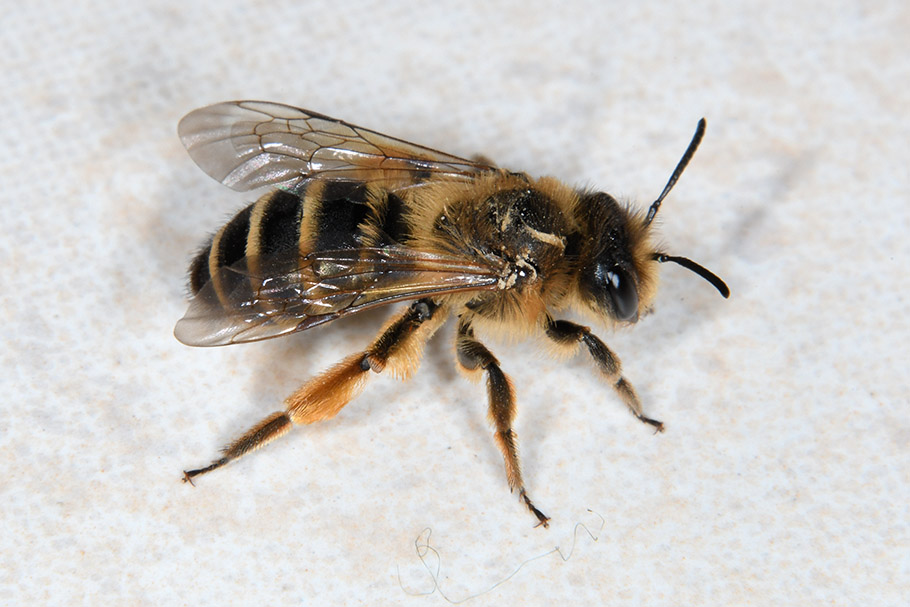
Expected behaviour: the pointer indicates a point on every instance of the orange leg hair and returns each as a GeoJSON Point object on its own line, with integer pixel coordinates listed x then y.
{"type": "Point", "coordinates": [398, 349]}
{"type": "Point", "coordinates": [568, 333]}
{"type": "Point", "coordinates": [473, 356]}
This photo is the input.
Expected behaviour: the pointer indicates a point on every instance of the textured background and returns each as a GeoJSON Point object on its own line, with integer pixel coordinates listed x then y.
{"type": "Point", "coordinates": [783, 475]}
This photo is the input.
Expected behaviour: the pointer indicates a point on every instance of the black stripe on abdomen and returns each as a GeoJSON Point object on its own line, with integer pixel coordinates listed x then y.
{"type": "Point", "coordinates": [393, 225]}
{"type": "Point", "coordinates": [229, 244]}
{"type": "Point", "coordinates": [199, 269]}
{"type": "Point", "coordinates": [229, 247]}
{"type": "Point", "coordinates": [277, 223]}
{"type": "Point", "coordinates": [342, 208]}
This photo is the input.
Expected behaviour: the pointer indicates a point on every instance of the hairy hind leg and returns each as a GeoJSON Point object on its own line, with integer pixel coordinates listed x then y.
{"type": "Point", "coordinates": [398, 349]}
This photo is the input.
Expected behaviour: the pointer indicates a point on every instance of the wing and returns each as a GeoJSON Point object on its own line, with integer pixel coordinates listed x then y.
{"type": "Point", "coordinates": [258, 299]}
{"type": "Point", "coordinates": [250, 144]}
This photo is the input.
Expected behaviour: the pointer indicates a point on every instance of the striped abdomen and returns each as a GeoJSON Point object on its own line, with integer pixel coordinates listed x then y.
{"type": "Point", "coordinates": [322, 216]}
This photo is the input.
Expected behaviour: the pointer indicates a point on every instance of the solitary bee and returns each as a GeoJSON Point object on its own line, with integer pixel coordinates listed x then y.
{"type": "Point", "coordinates": [361, 220]}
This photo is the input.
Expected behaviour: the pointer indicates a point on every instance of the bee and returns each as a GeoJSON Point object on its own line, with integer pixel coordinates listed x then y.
{"type": "Point", "coordinates": [357, 219]}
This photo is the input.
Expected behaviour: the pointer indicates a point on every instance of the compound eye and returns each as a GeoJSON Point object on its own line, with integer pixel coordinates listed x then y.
{"type": "Point", "coordinates": [622, 292]}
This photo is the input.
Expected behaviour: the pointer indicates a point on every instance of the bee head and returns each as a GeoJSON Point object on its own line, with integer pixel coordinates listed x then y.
{"type": "Point", "coordinates": [618, 263]}
{"type": "Point", "coordinates": [617, 273]}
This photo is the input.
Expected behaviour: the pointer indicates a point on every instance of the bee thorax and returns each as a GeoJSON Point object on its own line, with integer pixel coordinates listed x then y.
{"type": "Point", "coordinates": [518, 273]}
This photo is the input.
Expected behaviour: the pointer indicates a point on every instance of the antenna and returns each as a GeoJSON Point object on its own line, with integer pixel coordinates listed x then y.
{"type": "Point", "coordinates": [702, 271]}
{"type": "Point", "coordinates": [683, 162]}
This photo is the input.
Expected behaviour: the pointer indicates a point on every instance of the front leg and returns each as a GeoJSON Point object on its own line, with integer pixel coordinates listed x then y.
{"type": "Point", "coordinates": [568, 333]}
{"type": "Point", "coordinates": [473, 356]}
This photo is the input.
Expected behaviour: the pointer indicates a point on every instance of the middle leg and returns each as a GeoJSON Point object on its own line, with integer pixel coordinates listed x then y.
{"type": "Point", "coordinates": [474, 356]}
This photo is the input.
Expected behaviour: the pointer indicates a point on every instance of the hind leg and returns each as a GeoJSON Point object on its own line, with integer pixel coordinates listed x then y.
{"type": "Point", "coordinates": [398, 349]}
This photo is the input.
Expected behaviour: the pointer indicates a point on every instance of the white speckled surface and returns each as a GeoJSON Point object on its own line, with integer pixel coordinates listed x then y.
{"type": "Point", "coordinates": [783, 475]}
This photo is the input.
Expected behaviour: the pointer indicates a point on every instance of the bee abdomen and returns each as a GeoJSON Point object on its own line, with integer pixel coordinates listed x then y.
{"type": "Point", "coordinates": [226, 247]}
{"type": "Point", "coordinates": [275, 224]}
{"type": "Point", "coordinates": [268, 226]}
{"type": "Point", "coordinates": [282, 225]}
{"type": "Point", "coordinates": [392, 225]}
{"type": "Point", "coordinates": [199, 269]}
{"type": "Point", "coordinates": [335, 213]}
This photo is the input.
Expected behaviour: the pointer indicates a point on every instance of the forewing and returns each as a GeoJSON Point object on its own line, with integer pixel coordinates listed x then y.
{"type": "Point", "coordinates": [259, 299]}
{"type": "Point", "coordinates": [250, 144]}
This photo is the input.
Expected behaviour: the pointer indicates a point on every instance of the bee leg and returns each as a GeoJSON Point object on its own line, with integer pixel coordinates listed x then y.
{"type": "Point", "coordinates": [473, 356]}
{"type": "Point", "coordinates": [398, 349]}
{"type": "Point", "coordinates": [568, 333]}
